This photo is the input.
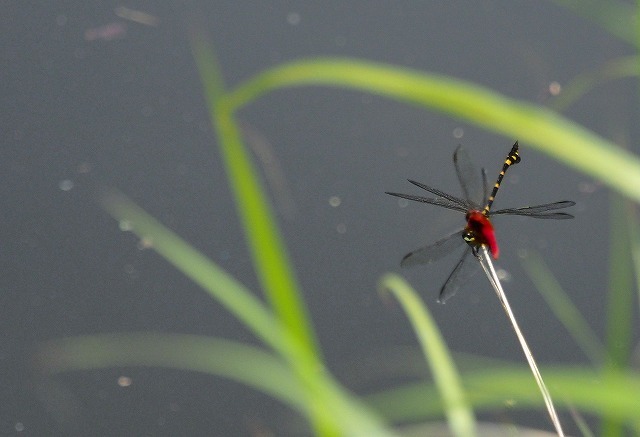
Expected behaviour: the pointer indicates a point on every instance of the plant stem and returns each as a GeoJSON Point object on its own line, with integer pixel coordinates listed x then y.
{"type": "Point", "coordinates": [487, 266]}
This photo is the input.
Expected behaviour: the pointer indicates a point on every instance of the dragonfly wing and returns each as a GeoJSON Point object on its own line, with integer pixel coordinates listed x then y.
{"type": "Point", "coordinates": [440, 202]}
{"type": "Point", "coordinates": [485, 187]}
{"type": "Point", "coordinates": [469, 177]}
{"type": "Point", "coordinates": [465, 268]}
{"type": "Point", "coordinates": [434, 251]}
{"type": "Point", "coordinates": [541, 211]}
{"type": "Point", "coordinates": [463, 203]}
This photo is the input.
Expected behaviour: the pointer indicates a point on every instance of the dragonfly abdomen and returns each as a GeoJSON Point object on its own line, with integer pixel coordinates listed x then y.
{"type": "Point", "coordinates": [512, 158]}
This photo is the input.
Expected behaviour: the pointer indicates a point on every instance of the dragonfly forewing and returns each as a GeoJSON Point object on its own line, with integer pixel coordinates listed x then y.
{"type": "Point", "coordinates": [470, 178]}
{"type": "Point", "coordinates": [434, 201]}
{"type": "Point", "coordinates": [434, 251]}
{"type": "Point", "coordinates": [463, 203]}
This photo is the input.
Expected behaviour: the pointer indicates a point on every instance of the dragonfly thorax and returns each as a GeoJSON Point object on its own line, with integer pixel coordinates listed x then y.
{"type": "Point", "coordinates": [479, 231]}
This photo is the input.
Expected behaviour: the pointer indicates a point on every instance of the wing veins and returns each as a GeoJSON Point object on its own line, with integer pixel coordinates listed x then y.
{"type": "Point", "coordinates": [434, 251]}
{"type": "Point", "coordinates": [464, 204]}
{"type": "Point", "coordinates": [445, 203]}
{"type": "Point", "coordinates": [540, 211]}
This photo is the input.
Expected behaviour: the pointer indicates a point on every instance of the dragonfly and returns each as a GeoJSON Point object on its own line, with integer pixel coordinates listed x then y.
{"type": "Point", "coordinates": [476, 205]}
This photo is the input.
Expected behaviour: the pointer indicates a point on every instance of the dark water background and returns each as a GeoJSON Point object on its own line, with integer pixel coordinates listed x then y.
{"type": "Point", "coordinates": [125, 104]}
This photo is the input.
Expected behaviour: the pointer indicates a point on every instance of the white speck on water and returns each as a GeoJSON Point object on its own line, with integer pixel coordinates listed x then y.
{"type": "Point", "coordinates": [555, 88]}
{"type": "Point", "coordinates": [587, 187]}
{"type": "Point", "coordinates": [293, 18]}
{"type": "Point", "coordinates": [124, 381]}
{"type": "Point", "coordinates": [145, 243]}
{"type": "Point", "coordinates": [66, 185]}
{"type": "Point", "coordinates": [503, 275]}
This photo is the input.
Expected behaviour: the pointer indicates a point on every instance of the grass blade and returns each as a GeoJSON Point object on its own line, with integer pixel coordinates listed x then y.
{"type": "Point", "coordinates": [214, 356]}
{"type": "Point", "coordinates": [563, 308]}
{"type": "Point", "coordinates": [634, 241]}
{"type": "Point", "coordinates": [326, 401]}
{"type": "Point", "coordinates": [270, 257]}
{"type": "Point", "coordinates": [616, 17]}
{"type": "Point", "coordinates": [619, 300]}
{"type": "Point", "coordinates": [583, 83]}
{"type": "Point", "coordinates": [268, 251]}
{"type": "Point", "coordinates": [460, 416]}
{"type": "Point", "coordinates": [237, 299]}
{"type": "Point", "coordinates": [538, 126]}
{"type": "Point", "coordinates": [614, 395]}
{"type": "Point", "coordinates": [620, 294]}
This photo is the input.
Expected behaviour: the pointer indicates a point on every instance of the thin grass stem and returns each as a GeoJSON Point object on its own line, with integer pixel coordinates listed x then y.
{"type": "Point", "coordinates": [487, 266]}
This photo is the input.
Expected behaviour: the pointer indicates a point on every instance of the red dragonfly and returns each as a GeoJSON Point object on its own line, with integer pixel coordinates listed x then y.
{"type": "Point", "coordinates": [479, 230]}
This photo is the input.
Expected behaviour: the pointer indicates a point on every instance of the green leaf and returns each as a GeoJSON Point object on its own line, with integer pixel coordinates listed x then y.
{"type": "Point", "coordinates": [562, 307]}
{"type": "Point", "coordinates": [460, 416]}
{"type": "Point", "coordinates": [617, 17]}
{"type": "Point", "coordinates": [266, 245]}
{"type": "Point", "coordinates": [613, 395]}
{"type": "Point", "coordinates": [534, 125]}
{"type": "Point", "coordinates": [326, 402]}
{"type": "Point", "coordinates": [242, 363]}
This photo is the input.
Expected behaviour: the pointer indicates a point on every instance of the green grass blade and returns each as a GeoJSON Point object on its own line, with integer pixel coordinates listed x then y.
{"type": "Point", "coordinates": [634, 242]}
{"type": "Point", "coordinates": [537, 126]}
{"type": "Point", "coordinates": [616, 17]}
{"type": "Point", "coordinates": [459, 415]}
{"type": "Point", "coordinates": [237, 299]}
{"type": "Point", "coordinates": [268, 251]}
{"type": "Point", "coordinates": [562, 307]}
{"type": "Point", "coordinates": [242, 363]}
{"type": "Point", "coordinates": [581, 423]}
{"type": "Point", "coordinates": [614, 395]}
{"type": "Point", "coordinates": [326, 401]}
{"type": "Point", "coordinates": [620, 295]}
{"type": "Point", "coordinates": [618, 68]}
{"type": "Point", "coordinates": [619, 301]}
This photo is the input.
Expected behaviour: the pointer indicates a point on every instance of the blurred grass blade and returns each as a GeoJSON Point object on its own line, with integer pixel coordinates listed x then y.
{"type": "Point", "coordinates": [460, 416]}
{"type": "Point", "coordinates": [619, 301]}
{"type": "Point", "coordinates": [620, 294]}
{"type": "Point", "coordinates": [615, 395]}
{"type": "Point", "coordinates": [487, 266]}
{"type": "Point", "coordinates": [581, 423]}
{"type": "Point", "coordinates": [538, 126]}
{"type": "Point", "coordinates": [617, 17]}
{"type": "Point", "coordinates": [242, 363]}
{"type": "Point", "coordinates": [268, 251]}
{"type": "Point", "coordinates": [583, 83]}
{"type": "Point", "coordinates": [237, 299]}
{"type": "Point", "coordinates": [325, 399]}
{"type": "Point", "coordinates": [562, 307]}
{"type": "Point", "coordinates": [634, 242]}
